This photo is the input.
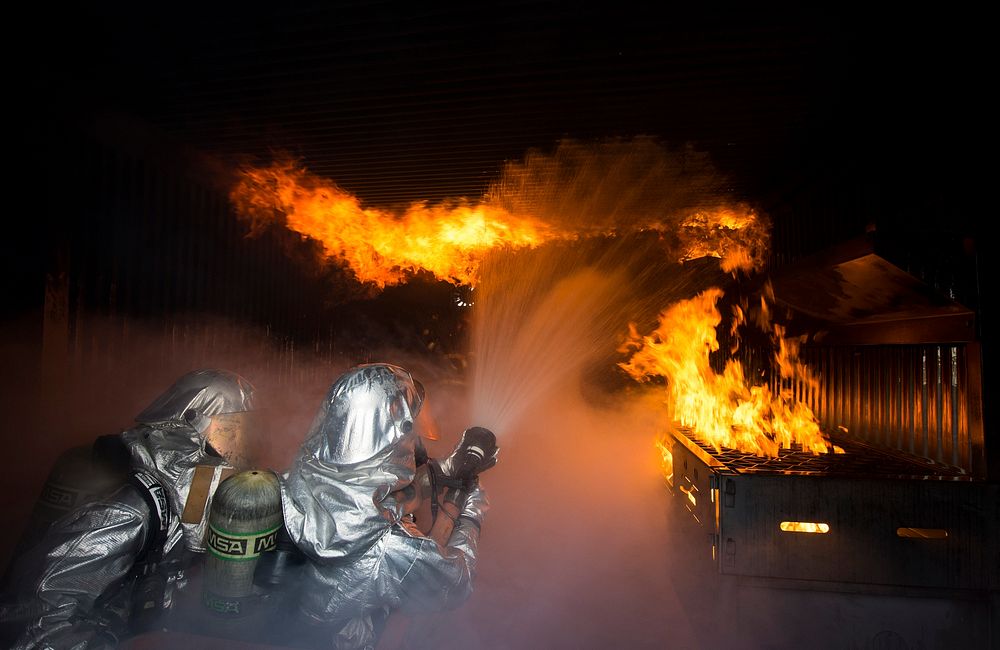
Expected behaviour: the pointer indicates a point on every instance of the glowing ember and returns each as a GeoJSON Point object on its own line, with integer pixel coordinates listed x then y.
{"type": "Point", "coordinates": [667, 460]}
{"type": "Point", "coordinates": [804, 527]}
{"type": "Point", "coordinates": [735, 235]}
{"type": "Point", "coordinates": [722, 409]}
{"type": "Point", "coordinates": [381, 246]}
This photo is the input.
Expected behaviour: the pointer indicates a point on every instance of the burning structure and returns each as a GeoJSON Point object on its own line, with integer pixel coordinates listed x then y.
{"type": "Point", "coordinates": [902, 475]}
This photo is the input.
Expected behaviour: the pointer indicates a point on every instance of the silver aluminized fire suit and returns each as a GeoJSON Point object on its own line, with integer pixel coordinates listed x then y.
{"type": "Point", "coordinates": [364, 558]}
{"type": "Point", "coordinates": [76, 575]}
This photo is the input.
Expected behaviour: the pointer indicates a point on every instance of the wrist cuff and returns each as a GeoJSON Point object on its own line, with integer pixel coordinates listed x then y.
{"type": "Point", "coordinates": [471, 520]}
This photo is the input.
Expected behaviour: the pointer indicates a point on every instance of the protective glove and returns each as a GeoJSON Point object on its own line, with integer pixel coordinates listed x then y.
{"type": "Point", "coordinates": [475, 453]}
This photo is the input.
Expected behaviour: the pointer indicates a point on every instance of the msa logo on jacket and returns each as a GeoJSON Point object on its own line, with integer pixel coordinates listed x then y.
{"type": "Point", "coordinates": [156, 496]}
{"type": "Point", "coordinates": [58, 497]}
{"type": "Point", "coordinates": [240, 546]}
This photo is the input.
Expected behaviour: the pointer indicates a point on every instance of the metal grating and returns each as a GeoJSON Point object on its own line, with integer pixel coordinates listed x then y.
{"type": "Point", "coordinates": [858, 461]}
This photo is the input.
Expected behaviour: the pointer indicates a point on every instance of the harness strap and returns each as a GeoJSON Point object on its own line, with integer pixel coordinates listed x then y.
{"type": "Point", "coordinates": [156, 498]}
{"type": "Point", "coordinates": [435, 475]}
{"type": "Point", "coordinates": [201, 487]}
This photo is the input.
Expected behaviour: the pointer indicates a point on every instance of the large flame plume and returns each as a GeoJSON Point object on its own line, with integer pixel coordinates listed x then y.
{"type": "Point", "coordinates": [725, 410]}
{"type": "Point", "coordinates": [579, 191]}
{"type": "Point", "coordinates": [381, 246]}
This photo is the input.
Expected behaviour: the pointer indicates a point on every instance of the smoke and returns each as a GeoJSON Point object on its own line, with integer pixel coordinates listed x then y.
{"type": "Point", "coordinates": [628, 185]}
{"type": "Point", "coordinates": [610, 185]}
{"type": "Point", "coordinates": [578, 548]}
{"type": "Point", "coordinates": [611, 188]}
{"type": "Point", "coordinates": [57, 400]}
{"type": "Point", "coordinates": [581, 548]}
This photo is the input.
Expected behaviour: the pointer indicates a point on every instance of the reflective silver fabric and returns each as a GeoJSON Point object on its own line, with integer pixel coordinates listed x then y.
{"type": "Point", "coordinates": [366, 410]}
{"type": "Point", "coordinates": [197, 396]}
{"type": "Point", "coordinates": [94, 548]}
{"type": "Point", "coordinates": [172, 445]}
{"type": "Point", "coordinates": [171, 455]}
{"type": "Point", "coordinates": [82, 556]}
{"type": "Point", "coordinates": [363, 556]}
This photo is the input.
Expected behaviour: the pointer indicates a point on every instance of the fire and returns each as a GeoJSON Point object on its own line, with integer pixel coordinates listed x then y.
{"type": "Point", "coordinates": [804, 527]}
{"type": "Point", "coordinates": [737, 235]}
{"type": "Point", "coordinates": [666, 459]}
{"type": "Point", "coordinates": [449, 240]}
{"type": "Point", "coordinates": [382, 246]}
{"type": "Point", "coordinates": [724, 409]}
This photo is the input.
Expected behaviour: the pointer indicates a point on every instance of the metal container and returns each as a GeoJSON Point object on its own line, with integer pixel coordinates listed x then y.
{"type": "Point", "coordinates": [866, 516]}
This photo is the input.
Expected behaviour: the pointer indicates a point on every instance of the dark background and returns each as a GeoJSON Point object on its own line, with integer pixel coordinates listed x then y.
{"type": "Point", "coordinates": [130, 121]}
{"type": "Point", "coordinates": [849, 118]}
{"type": "Point", "coordinates": [397, 101]}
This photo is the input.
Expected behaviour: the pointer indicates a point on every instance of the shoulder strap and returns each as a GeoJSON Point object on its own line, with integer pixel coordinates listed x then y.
{"type": "Point", "coordinates": [156, 498]}
{"type": "Point", "coordinates": [111, 450]}
{"type": "Point", "coordinates": [200, 490]}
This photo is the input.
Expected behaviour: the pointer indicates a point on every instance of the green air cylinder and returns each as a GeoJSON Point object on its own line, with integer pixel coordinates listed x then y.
{"type": "Point", "coordinates": [243, 523]}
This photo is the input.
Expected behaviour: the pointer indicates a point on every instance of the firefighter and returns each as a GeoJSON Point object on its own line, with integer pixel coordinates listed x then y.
{"type": "Point", "coordinates": [345, 509]}
{"type": "Point", "coordinates": [107, 568]}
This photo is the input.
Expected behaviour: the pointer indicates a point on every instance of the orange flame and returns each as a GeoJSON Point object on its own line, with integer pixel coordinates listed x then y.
{"type": "Point", "coordinates": [386, 247]}
{"type": "Point", "coordinates": [666, 459]}
{"type": "Point", "coordinates": [722, 409]}
{"type": "Point", "coordinates": [381, 246]}
{"type": "Point", "coordinates": [735, 235]}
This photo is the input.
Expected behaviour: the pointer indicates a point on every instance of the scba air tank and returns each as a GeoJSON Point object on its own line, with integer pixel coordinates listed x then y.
{"type": "Point", "coordinates": [243, 523]}
{"type": "Point", "coordinates": [78, 476]}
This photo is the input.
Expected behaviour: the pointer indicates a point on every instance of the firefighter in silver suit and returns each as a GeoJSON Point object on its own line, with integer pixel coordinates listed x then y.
{"type": "Point", "coordinates": [342, 509]}
{"type": "Point", "coordinates": [84, 578]}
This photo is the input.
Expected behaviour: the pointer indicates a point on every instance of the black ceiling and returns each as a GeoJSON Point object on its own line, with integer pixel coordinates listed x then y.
{"type": "Point", "coordinates": [412, 101]}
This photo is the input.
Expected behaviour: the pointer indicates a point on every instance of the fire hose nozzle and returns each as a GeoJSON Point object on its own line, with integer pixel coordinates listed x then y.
{"type": "Point", "coordinates": [435, 499]}
{"type": "Point", "coordinates": [475, 453]}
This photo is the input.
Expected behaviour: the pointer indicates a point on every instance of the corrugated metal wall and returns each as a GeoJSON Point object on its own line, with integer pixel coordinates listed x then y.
{"type": "Point", "coordinates": [919, 399]}
{"type": "Point", "coordinates": [923, 400]}
{"type": "Point", "coordinates": [148, 251]}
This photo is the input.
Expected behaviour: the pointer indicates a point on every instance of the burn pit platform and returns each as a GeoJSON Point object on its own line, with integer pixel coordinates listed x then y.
{"type": "Point", "coordinates": [858, 460]}
{"type": "Point", "coordinates": [865, 519]}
